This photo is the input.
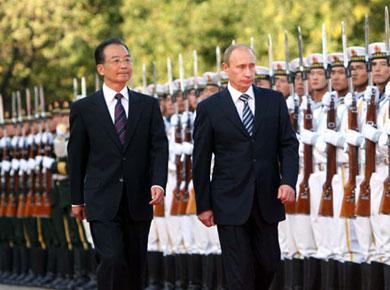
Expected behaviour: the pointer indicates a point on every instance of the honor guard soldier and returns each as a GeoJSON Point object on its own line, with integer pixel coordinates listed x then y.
{"type": "Point", "coordinates": [262, 78]}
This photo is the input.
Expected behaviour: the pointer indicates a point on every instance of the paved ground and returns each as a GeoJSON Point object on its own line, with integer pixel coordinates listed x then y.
{"type": "Point", "coordinates": [9, 287]}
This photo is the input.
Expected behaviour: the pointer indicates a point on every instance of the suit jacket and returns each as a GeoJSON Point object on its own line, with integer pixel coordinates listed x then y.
{"type": "Point", "coordinates": [244, 165]}
{"type": "Point", "coordinates": [100, 167]}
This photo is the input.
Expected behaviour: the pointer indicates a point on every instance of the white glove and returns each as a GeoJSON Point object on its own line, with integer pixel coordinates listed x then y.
{"type": "Point", "coordinates": [387, 90]}
{"type": "Point", "coordinates": [187, 148]}
{"type": "Point", "coordinates": [370, 91]}
{"type": "Point", "coordinates": [5, 166]}
{"type": "Point", "coordinates": [31, 164]}
{"type": "Point", "coordinates": [354, 138]}
{"type": "Point", "coordinates": [15, 164]}
{"type": "Point", "coordinates": [305, 102]}
{"type": "Point", "coordinates": [21, 142]}
{"type": "Point", "coordinates": [47, 162]}
{"type": "Point", "coordinates": [290, 104]}
{"type": "Point", "coordinates": [334, 138]}
{"type": "Point", "coordinates": [38, 160]}
{"type": "Point", "coordinates": [177, 148]}
{"type": "Point", "coordinates": [327, 98]}
{"type": "Point", "coordinates": [383, 140]}
{"type": "Point", "coordinates": [308, 137]}
{"type": "Point", "coordinates": [23, 165]}
{"type": "Point", "coordinates": [387, 127]}
{"type": "Point", "coordinates": [348, 100]}
{"type": "Point", "coordinates": [15, 141]}
{"type": "Point", "coordinates": [38, 138]}
{"type": "Point", "coordinates": [371, 133]}
{"type": "Point", "coordinates": [30, 139]}
{"type": "Point", "coordinates": [321, 145]}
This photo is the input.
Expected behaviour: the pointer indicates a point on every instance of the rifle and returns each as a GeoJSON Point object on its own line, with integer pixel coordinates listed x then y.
{"type": "Point", "coordinates": [270, 61]}
{"type": "Point", "coordinates": [349, 197]}
{"type": "Point", "coordinates": [184, 195]}
{"type": "Point", "coordinates": [178, 139]}
{"type": "Point", "coordinates": [47, 152]}
{"type": "Point", "coordinates": [159, 209]}
{"type": "Point", "coordinates": [303, 201]}
{"type": "Point", "coordinates": [6, 164]}
{"type": "Point", "coordinates": [12, 196]}
{"type": "Point", "coordinates": [385, 201]}
{"type": "Point", "coordinates": [290, 206]}
{"type": "Point", "coordinates": [364, 200]}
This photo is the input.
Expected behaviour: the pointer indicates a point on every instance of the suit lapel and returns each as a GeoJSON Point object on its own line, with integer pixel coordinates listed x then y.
{"type": "Point", "coordinates": [135, 110]}
{"type": "Point", "coordinates": [104, 118]}
{"type": "Point", "coordinates": [261, 107]}
{"type": "Point", "coordinates": [231, 111]}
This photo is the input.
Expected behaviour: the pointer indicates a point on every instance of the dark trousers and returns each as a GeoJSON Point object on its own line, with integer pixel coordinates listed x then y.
{"type": "Point", "coordinates": [250, 252]}
{"type": "Point", "coordinates": [121, 246]}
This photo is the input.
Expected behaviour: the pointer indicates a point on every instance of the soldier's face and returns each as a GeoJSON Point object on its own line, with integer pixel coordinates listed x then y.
{"type": "Point", "coordinates": [380, 71]}
{"type": "Point", "coordinates": [359, 74]}
{"type": "Point", "coordinates": [192, 99]}
{"type": "Point", "coordinates": [241, 69]}
{"type": "Point", "coordinates": [117, 66]}
{"type": "Point", "coordinates": [317, 79]}
{"type": "Point", "coordinates": [169, 108]}
{"type": "Point", "coordinates": [207, 92]}
{"type": "Point", "coordinates": [263, 83]}
{"type": "Point", "coordinates": [180, 102]}
{"type": "Point", "coordinates": [298, 85]}
{"type": "Point", "coordinates": [281, 85]}
{"type": "Point", "coordinates": [339, 79]}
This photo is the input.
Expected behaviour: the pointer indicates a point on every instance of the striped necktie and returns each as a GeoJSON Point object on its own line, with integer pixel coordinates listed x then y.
{"type": "Point", "coordinates": [247, 115]}
{"type": "Point", "coordinates": [120, 119]}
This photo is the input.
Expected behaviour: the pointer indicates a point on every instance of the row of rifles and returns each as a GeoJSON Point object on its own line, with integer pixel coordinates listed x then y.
{"type": "Point", "coordinates": [26, 150]}
{"type": "Point", "coordinates": [350, 208]}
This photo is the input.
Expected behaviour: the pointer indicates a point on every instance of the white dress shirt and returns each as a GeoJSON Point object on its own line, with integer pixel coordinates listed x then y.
{"type": "Point", "coordinates": [240, 104]}
{"type": "Point", "coordinates": [109, 97]}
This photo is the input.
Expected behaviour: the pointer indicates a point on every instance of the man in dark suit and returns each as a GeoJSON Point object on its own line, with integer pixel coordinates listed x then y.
{"type": "Point", "coordinates": [118, 155]}
{"type": "Point", "coordinates": [255, 171]}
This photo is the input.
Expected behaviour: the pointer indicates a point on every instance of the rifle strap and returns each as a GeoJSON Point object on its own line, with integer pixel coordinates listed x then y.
{"type": "Point", "coordinates": [67, 234]}
{"type": "Point", "coordinates": [26, 237]}
{"type": "Point", "coordinates": [82, 235]}
{"type": "Point", "coordinates": [346, 220]}
{"type": "Point", "coordinates": [40, 235]}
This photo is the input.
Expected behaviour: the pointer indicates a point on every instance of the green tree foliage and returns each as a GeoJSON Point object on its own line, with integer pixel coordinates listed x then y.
{"type": "Point", "coordinates": [50, 42]}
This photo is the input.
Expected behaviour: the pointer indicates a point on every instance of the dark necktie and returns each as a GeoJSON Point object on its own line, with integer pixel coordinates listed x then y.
{"type": "Point", "coordinates": [120, 119]}
{"type": "Point", "coordinates": [247, 116]}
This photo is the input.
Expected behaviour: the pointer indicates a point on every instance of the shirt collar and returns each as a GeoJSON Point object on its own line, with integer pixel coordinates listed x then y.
{"type": "Point", "coordinates": [109, 94]}
{"type": "Point", "coordinates": [236, 93]}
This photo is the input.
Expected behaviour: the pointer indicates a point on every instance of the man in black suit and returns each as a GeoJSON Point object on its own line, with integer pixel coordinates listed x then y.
{"type": "Point", "coordinates": [255, 171]}
{"type": "Point", "coordinates": [118, 155]}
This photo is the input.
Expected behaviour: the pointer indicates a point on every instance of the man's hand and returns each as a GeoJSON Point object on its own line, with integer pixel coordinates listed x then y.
{"type": "Point", "coordinates": [207, 218]}
{"type": "Point", "coordinates": [78, 212]}
{"type": "Point", "coordinates": [286, 193]}
{"type": "Point", "coordinates": [157, 194]}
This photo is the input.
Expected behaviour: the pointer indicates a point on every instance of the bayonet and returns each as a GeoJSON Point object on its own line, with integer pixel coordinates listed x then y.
{"type": "Point", "coordinates": [144, 81]}
{"type": "Point", "coordinates": [195, 67]}
{"type": "Point", "coordinates": [75, 88]}
{"type": "Point", "coordinates": [170, 78]}
{"type": "Point", "coordinates": [1, 110]}
{"type": "Point", "coordinates": [325, 61]}
{"type": "Point", "coordinates": [28, 104]}
{"type": "Point", "coordinates": [367, 54]}
{"type": "Point", "coordinates": [36, 103]}
{"type": "Point", "coordinates": [181, 74]}
{"type": "Point", "coordinates": [270, 61]}
{"type": "Point", "coordinates": [13, 108]}
{"type": "Point", "coordinates": [387, 34]}
{"type": "Point", "coordinates": [19, 106]}
{"type": "Point", "coordinates": [301, 65]}
{"type": "Point", "coordinates": [42, 99]}
{"type": "Point", "coordinates": [218, 58]}
{"type": "Point", "coordinates": [83, 87]}
{"type": "Point", "coordinates": [252, 43]}
{"type": "Point", "coordinates": [346, 61]}
{"type": "Point", "coordinates": [155, 80]}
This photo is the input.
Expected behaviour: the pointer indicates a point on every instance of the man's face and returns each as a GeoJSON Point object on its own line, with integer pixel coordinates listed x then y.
{"type": "Point", "coordinates": [380, 71]}
{"type": "Point", "coordinates": [298, 85]}
{"type": "Point", "coordinates": [241, 69]}
{"type": "Point", "coordinates": [117, 67]}
{"type": "Point", "coordinates": [169, 108]}
{"type": "Point", "coordinates": [263, 83]}
{"type": "Point", "coordinates": [339, 79]}
{"type": "Point", "coordinates": [317, 79]}
{"type": "Point", "coordinates": [180, 102]}
{"type": "Point", "coordinates": [281, 85]}
{"type": "Point", "coordinates": [359, 74]}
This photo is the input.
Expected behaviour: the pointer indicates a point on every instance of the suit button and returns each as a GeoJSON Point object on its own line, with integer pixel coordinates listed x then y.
{"type": "Point", "coordinates": [254, 160]}
{"type": "Point", "coordinates": [253, 140]}
{"type": "Point", "coordinates": [121, 180]}
{"type": "Point", "coordinates": [124, 158]}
